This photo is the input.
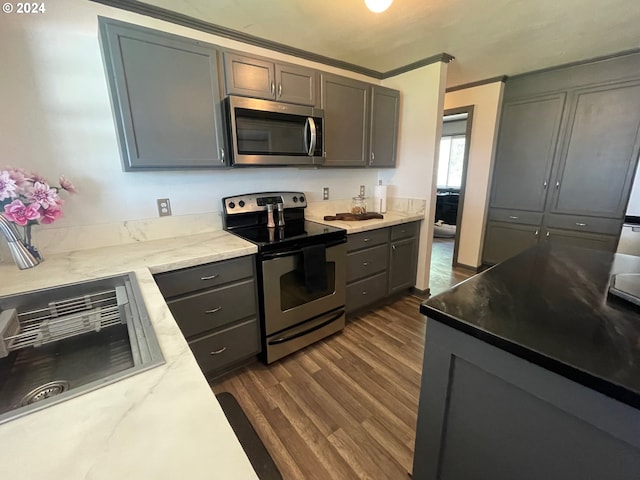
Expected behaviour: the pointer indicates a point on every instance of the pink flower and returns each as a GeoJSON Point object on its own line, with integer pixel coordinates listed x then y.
{"type": "Point", "coordinates": [43, 195]}
{"type": "Point", "coordinates": [20, 213]}
{"type": "Point", "coordinates": [67, 185]}
{"type": "Point", "coordinates": [50, 214]}
{"type": "Point", "coordinates": [7, 186]}
{"type": "Point", "coordinates": [22, 180]}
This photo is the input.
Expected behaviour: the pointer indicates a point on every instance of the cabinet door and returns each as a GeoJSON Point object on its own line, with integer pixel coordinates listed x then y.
{"type": "Point", "coordinates": [346, 112]}
{"type": "Point", "coordinates": [249, 77]}
{"type": "Point", "coordinates": [504, 240]}
{"type": "Point", "coordinates": [385, 111]}
{"type": "Point", "coordinates": [529, 132]}
{"type": "Point", "coordinates": [600, 151]}
{"type": "Point", "coordinates": [570, 238]}
{"type": "Point", "coordinates": [165, 96]}
{"type": "Point", "coordinates": [402, 264]}
{"type": "Point", "coordinates": [296, 84]}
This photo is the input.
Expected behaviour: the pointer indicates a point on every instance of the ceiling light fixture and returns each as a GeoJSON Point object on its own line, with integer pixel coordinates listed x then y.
{"type": "Point", "coordinates": [378, 6]}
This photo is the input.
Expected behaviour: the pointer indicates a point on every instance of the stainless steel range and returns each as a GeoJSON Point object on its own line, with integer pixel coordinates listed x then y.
{"type": "Point", "coordinates": [301, 269]}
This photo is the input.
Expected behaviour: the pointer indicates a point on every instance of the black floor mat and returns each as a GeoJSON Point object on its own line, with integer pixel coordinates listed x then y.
{"type": "Point", "coordinates": [260, 459]}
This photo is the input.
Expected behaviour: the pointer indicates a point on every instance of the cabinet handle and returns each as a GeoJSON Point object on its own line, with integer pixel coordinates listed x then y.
{"type": "Point", "coordinates": [364, 292]}
{"type": "Point", "coordinates": [579, 224]}
{"type": "Point", "coordinates": [544, 185]}
{"type": "Point", "coordinates": [279, 89]}
{"type": "Point", "coordinates": [536, 233]}
{"type": "Point", "coordinates": [218, 352]}
{"type": "Point", "coordinates": [222, 154]}
{"type": "Point", "coordinates": [513, 217]}
{"type": "Point", "coordinates": [210, 277]}
{"type": "Point", "coordinates": [365, 264]}
{"type": "Point", "coordinates": [213, 310]}
{"type": "Point", "coordinates": [393, 247]}
{"type": "Point", "coordinates": [557, 185]}
{"type": "Point", "coordinates": [373, 157]}
{"type": "Point", "coordinates": [365, 240]}
{"type": "Point", "coordinates": [273, 88]}
{"type": "Point", "coordinates": [548, 235]}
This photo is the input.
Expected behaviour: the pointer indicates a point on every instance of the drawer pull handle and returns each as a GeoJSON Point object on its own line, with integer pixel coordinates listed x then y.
{"type": "Point", "coordinates": [365, 240]}
{"type": "Point", "coordinates": [393, 247]}
{"type": "Point", "coordinates": [513, 217]}
{"type": "Point", "coordinates": [548, 234]}
{"type": "Point", "coordinates": [213, 310]}
{"type": "Point", "coordinates": [536, 233]}
{"type": "Point", "coordinates": [365, 264]}
{"type": "Point", "coordinates": [364, 292]}
{"type": "Point", "coordinates": [218, 352]}
{"type": "Point", "coordinates": [210, 277]}
{"type": "Point", "coordinates": [579, 224]}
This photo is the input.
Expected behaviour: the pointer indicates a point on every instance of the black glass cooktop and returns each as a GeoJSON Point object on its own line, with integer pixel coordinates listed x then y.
{"type": "Point", "coordinates": [292, 235]}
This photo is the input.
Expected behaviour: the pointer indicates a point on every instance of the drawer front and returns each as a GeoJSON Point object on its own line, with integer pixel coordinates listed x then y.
{"type": "Point", "coordinates": [367, 239]}
{"type": "Point", "coordinates": [404, 230]}
{"type": "Point", "coordinates": [366, 291]}
{"type": "Point", "coordinates": [515, 216]}
{"type": "Point", "coordinates": [608, 226]}
{"type": "Point", "coordinates": [214, 308]}
{"type": "Point", "coordinates": [204, 276]}
{"type": "Point", "coordinates": [221, 349]}
{"type": "Point", "coordinates": [365, 263]}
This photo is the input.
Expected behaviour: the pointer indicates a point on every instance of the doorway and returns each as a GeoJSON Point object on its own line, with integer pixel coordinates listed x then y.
{"type": "Point", "coordinates": [452, 172]}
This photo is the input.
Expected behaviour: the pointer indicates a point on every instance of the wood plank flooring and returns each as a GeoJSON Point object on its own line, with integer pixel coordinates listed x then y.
{"type": "Point", "coordinates": [441, 274]}
{"type": "Point", "coordinates": [345, 407]}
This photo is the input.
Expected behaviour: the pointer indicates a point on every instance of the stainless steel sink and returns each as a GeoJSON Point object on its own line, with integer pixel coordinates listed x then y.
{"type": "Point", "coordinates": [61, 342]}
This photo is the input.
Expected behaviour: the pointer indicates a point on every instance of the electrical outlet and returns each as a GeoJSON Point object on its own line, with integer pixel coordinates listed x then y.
{"type": "Point", "coordinates": [362, 190]}
{"type": "Point", "coordinates": [325, 193]}
{"type": "Point", "coordinates": [164, 207]}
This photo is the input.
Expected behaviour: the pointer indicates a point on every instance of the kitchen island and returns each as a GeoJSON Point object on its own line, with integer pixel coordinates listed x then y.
{"type": "Point", "coordinates": [163, 423]}
{"type": "Point", "coordinates": [532, 370]}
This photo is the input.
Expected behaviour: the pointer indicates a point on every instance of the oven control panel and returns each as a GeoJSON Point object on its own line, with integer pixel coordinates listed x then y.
{"type": "Point", "coordinates": [256, 202]}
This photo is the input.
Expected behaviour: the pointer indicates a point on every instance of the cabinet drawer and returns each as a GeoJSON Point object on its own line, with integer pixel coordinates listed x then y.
{"type": "Point", "coordinates": [221, 349]}
{"type": "Point", "coordinates": [214, 308]}
{"type": "Point", "coordinates": [366, 262]}
{"type": "Point", "coordinates": [204, 276]}
{"type": "Point", "coordinates": [515, 216]}
{"type": "Point", "coordinates": [366, 291]}
{"type": "Point", "coordinates": [609, 226]}
{"type": "Point", "coordinates": [404, 230]}
{"type": "Point", "coordinates": [367, 239]}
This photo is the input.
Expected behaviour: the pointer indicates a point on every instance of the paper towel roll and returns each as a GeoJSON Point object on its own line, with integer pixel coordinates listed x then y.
{"type": "Point", "coordinates": [380, 199]}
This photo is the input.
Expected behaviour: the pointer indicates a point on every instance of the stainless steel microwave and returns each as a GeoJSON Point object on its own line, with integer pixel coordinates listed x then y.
{"type": "Point", "coordinates": [263, 132]}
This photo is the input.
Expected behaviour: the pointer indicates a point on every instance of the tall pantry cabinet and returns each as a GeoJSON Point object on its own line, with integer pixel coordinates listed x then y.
{"type": "Point", "coordinates": [567, 151]}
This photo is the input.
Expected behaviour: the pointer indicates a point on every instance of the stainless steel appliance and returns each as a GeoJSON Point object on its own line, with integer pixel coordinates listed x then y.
{"type": "Point", "coordinates": [263, 132]}
{"type": "Point", "coordinates": [301, 269]}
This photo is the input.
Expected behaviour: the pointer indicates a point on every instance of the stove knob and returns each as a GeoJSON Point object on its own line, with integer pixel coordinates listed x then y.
{"type": "Point", "coordinates": [241, 203]}
{"type": "Point", "coordinates": [295, 199]}
{"type": "Point", "coordinates": [232, 205]}
{"type": "Point", "coordinates": [301, 198]}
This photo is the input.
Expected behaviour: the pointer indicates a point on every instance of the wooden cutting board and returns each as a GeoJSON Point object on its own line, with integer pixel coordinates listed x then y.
{"type": "Point", "coordinates": [350, 217]}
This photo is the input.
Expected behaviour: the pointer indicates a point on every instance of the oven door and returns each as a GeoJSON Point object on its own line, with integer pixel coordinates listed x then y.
{"type": "Point", "coordinates": [287, 302]}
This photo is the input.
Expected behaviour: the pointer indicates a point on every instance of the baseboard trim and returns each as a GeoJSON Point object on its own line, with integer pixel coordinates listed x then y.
{"type": "Point", "coordinates": [467, 267]}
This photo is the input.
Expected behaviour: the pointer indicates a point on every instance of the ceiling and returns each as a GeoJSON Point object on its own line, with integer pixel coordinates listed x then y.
{"type": "Point", "coordinates": [487, 38]}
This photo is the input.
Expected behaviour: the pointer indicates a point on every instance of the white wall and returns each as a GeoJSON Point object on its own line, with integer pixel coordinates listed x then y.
{"type": "Point", "coordinates": [633, 207]}
{"type": "Point", "coordinates": [486, 100]}
{"type": "Point", "coordinates": [421, 106]}
{"type": "Point", "coordinates": [56, 119]}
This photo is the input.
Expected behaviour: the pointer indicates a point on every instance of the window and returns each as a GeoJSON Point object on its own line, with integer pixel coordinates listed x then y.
{"type": "Point", "coordinates": [451, 161]}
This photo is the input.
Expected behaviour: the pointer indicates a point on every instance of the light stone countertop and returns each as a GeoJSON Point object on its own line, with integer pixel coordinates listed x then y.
{"type": "Point", "coordinates": [164, 423]}
{"type": "Point", "coordinates": [390, 219]}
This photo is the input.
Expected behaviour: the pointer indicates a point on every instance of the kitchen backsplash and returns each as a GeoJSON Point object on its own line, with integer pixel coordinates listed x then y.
{"type": "Point", "coordinates": [52, 240]}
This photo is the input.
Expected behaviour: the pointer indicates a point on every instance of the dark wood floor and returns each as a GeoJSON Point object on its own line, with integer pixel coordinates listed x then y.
{"type": "Point", "coordinates": [345, 407]}
{"type": "Point", "coordinates": [441, 274]}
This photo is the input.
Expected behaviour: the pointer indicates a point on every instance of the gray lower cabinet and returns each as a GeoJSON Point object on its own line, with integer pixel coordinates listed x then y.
{"type": "Point", "coordinates": [380, 263]}
{"type": "Point", "coordinates": [262, 78]}
{"type": "Point", "coordinates": [215, 306]}
{"type": "Point", "coordinates": [385, 111]}
{"type": "Point", "coordinates": [568, 146]}
{"type": "Point", "coordinates": [165, 97]}
{"type": "Point", "coordinates": [485, 413]}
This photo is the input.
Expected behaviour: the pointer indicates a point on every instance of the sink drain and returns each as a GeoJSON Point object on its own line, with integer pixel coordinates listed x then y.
{"type": "Point", "coordinates": [45, 391]}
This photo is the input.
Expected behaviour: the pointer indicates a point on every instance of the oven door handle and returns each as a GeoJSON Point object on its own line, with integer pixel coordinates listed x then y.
{"type": "Point", "coordinates": [271, 256]}
{"type": "Point", "coordinates": [306, 332]}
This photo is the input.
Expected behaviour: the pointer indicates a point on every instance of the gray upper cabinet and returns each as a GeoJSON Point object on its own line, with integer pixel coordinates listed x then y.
{"type": "Point", "coordinates": [385, 110]}
{"type": "Point", "coordinates": [526, 148]}
{"type": "Point", "coordinates": [346, 115]}
{"type": "Point", "coordinates": [600, 153]}
{"type": "Point", "coordinates": [262, 78]}
{"type": "Point", "coordinates": [165, 96]}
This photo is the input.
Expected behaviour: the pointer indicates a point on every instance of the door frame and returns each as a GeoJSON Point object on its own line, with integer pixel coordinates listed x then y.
{"type": "Point", "coordinates": [468, 109]}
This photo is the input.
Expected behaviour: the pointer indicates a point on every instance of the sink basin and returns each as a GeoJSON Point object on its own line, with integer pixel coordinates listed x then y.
{"type": "Point", "coordinates": [61, 342]}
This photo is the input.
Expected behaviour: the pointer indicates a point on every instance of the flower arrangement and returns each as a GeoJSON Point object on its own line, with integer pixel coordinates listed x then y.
{"type": "Point", "coordinates": [27, 199]}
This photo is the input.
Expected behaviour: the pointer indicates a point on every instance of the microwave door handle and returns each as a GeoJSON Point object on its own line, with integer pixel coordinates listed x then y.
{"type": "Point", "coordinates": [312, 127]}
{"type": "Point", "coordinates": [307, 129]}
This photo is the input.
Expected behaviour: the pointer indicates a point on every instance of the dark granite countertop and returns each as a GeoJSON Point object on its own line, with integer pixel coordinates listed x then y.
{"type": "Point", "coordinates": [551, 306]}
